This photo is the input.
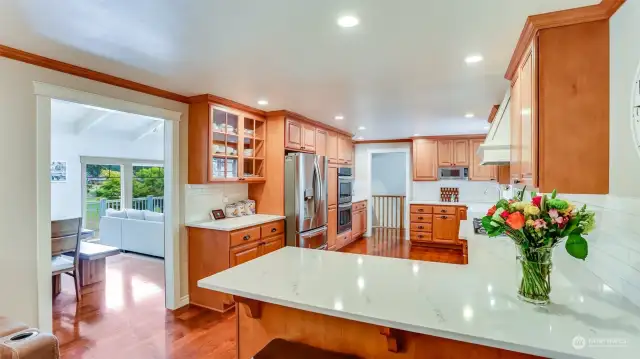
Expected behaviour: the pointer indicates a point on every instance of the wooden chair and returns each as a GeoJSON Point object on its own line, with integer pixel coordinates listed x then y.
{"type": "Point", "coordinates": [65, 238]}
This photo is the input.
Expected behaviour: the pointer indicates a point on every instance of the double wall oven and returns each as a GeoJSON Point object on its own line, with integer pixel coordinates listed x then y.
{"type": "Point", "coordinates": [345, 191]}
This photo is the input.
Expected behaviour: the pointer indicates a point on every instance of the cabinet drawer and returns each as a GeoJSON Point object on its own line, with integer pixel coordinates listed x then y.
{"type": "Point", "coordinates": [421, 227]}
{"type": "Point", "coordinates": [419, 208]}
{"type": "Point", "coordinates": [273, 228]}
{"type": "Point", "coordinates": [421, 218]}
{"type": "Point", "coordinates": [444, 210]}
{"type": "Point", "coordinates": [420, 236]}
{"type": "Point", "coordinates": [343, 239]}
{"type": "Point", "coordinates": [359, 206]}
{"type": "Point", "coordinates": [245, 236]}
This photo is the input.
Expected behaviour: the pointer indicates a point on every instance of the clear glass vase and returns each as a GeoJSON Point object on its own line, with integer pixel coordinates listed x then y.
{"type": "Point", "coordinates": [534, 274]}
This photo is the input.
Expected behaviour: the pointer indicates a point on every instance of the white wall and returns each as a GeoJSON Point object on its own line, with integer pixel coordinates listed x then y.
{"type": "Point", "coordinates": [201, 199]}
{"type": "Point", "coordinates": [389, 173]}
{"type": "Point", "coordinates": [624, 165]}
{"type": "Point", "coordinates": [66, 145]}
{"type": "Point", "coordinates": [18, 183]}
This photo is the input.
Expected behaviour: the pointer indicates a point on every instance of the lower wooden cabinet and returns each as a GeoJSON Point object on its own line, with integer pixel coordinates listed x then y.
{"type": "Point", "coordinates": [358, 219]}
{"type": "Point", "coordinates": [435, 224]}
{"type": "Point", "coordinates": [332, 228]}
{"type": "Point", "coordinates": [212, 251]}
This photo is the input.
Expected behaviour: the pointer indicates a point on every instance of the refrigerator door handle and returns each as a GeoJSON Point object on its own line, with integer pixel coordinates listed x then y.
{"type": "Point", "coordinates": [319, 188]}
{"type": "Point", "coordinates": [313, 232]}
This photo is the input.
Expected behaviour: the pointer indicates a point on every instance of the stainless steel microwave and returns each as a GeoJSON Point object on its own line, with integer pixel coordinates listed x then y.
{"type": "Point", "coordinates": [453, 173]}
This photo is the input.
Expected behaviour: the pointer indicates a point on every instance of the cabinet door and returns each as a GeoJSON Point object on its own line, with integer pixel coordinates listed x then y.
{"type": "Point", "coordinates": [309, 143]}
{"type": "Point", "coordinates": [243, 254]}
{"type": "Point", "coordinates": [272, 244]}
{"type": "Point", "coordinates": [332, 227]}
{"type": "Point", "coordinates": [477, 172]}
{"type": "Point", "coordinates": [332, 147]}
{"type": "Point", "coordinates": [515, 123]}
{"type": "Point", "coordinates": [321, 142]}
{"type": "Point", "coordinates": [461, 153]}
{"type": "Point", "coordinates": [293, 135]}
{"type": "Point", "coordinates": [364, 220]}
{"type": "Point", "coordinates": [445, 227]}
{"type": "Point", "coordinates": [332, 187]}
{"type": "Point", "coordinates": [425, 160]}
{"type": "Point", "coordinates": [342, 149]}
{"type": "Point", "coordinates": [356, 223]}
{"type": "Point", "coordinates": [350, 150]}
{"type": "Point", "coordinates": [445, 155]}
{"type": "Point", "coordinates": [529, 123]}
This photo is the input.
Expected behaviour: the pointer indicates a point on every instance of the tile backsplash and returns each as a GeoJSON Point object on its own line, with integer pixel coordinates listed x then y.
{"type": "Point", "coordinates": [469, 191]}
{"type": "Point", "coordinates": [201, 199]}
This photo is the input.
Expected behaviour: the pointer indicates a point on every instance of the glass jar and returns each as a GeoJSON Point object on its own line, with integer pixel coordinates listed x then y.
{"type": "Point", "coordinates": [534, 274]}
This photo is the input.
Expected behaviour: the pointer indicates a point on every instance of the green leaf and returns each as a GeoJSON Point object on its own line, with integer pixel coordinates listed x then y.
{"type": "Point", "coordinates": [577, 246]}
{"type": "Point", "coordinates": [503, 203]}
{"type": "Point", "coordinates": [573, 223]}
{"type": "Point", "coordinates": [533, 194]}
{"type": "Point", "coordinates": [554, 194]}
{"type": "Point", "coordinates": [543, 203]}
{"type": "Point", "coordinates": [493, 228]}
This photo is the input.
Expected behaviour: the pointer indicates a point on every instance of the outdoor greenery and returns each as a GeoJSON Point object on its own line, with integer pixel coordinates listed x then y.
{"type": "Point", "coordinates": [147, 181]}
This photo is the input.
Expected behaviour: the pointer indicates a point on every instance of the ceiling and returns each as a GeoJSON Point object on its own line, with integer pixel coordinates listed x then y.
{"type": "Point", "coordinates": [400, 72]}
{"type": "Point", "coordinates": [80, 120]}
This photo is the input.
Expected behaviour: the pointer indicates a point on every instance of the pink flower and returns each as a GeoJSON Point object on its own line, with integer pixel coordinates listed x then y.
{"type": "Point", "coordinates": [540, 223]}
{"type": "Point", "coordinates": [504, 214]}
{"type": "Point", "coordinates": [564, 222]}
{"type": "Point", "coordinates": [553, 213]}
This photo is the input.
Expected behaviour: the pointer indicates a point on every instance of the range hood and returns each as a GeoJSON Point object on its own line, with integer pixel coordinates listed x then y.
{"type": "Point", "coordinates": [496, 147]}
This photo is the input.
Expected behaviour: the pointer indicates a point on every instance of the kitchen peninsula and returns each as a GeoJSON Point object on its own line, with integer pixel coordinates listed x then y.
{"type": "Point", "coordinates": [356, 304]}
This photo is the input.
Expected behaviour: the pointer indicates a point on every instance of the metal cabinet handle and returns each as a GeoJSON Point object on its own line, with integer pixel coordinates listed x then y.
{"type": "Point", "coordinates": [443, 211]}
{"type": "Point", "coordinates": [420, 227]}
{"type": "Point", "coordinates": [420, 236]}
{"type": "Point", "coordinates": [443, 217]}
{"type": "Point", "coordinates": [516, 181]}
{"type": "Point", "coordinates": [420, 218]}
{"type": "Point", "coordinates": [273, 229]}
{"type": "Point", "coordinates": [421, 210]}
{"type": "Point", "coordinates": [247, 237]}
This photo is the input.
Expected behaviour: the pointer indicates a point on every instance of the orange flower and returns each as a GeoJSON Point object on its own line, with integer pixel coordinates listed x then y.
{"type": "Point", "coordinates": [516, 220]}
{"type": "Point", "coordinates": [492, 210]}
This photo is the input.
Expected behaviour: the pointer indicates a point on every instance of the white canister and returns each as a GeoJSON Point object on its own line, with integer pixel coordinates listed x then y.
{"type": "Point", "coordinates": [240, 206]}
{"type": "Point", "coordinates": [231, 210]}
{"type": "Point", "coordinates": [249, 207]}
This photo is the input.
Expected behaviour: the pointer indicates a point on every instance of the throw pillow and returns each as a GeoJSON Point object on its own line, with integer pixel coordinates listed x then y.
{"type": "Point", "coordinates": [115, 213]}
{"type": "Point", "coordinates": [153, 216]}
{"type": "Point", "coordinates": [135, 214]}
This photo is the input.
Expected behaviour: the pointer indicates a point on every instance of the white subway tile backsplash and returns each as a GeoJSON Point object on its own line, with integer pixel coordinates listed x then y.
{"type": "Point", "coordinates": [200, 200]}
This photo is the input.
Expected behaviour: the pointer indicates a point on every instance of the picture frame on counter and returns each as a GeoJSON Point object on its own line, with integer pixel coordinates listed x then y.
{"type": "Point", "coordinates": [217, 214]}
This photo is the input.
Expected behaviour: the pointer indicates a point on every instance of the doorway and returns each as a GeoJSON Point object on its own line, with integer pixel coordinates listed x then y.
{"type": "Point", "coordinates": [46, 95]}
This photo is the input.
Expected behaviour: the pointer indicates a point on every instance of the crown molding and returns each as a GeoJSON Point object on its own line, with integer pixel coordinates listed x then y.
{"type": "Point", "coordinates": [228, 103]}
{"type": "Point", "coordinates": [299, 117]}
{"type": "Point", "coordinates": [395, 140]}
{"type": "Point", "coordinates": [37, 60]}
{"type": "Point", "coordinates": [602, 11]}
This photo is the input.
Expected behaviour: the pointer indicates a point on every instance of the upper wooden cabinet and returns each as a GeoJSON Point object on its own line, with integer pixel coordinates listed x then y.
{"type": "Point", "coordinates": [478, 172]}
{"type": "Point", "coordinates": [345, 150]}
{"type": "Point", "coordinates": [225, 145]}
{"type": "Point", "coordinates": [425, 160]}
{"type": "Point", "coordinates": [294, 135]}
{"type": "Point", "coordinates": [321, 142]}
{"type": "Point", "coordinates": [309, 138]}
{"type": "Point", "coordinates": [332, 147]}
{"type": "Point", "coordinates": [560, 110]}
{"type": "Point", "coordinates": [453, 153]}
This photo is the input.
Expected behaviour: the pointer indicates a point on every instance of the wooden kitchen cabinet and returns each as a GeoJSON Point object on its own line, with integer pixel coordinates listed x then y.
{"type": "Point", "coordinates": [425, 160]}
{"type": "Point", "coordinates": [445, 228]}
{"type": "Point", "coordinates": [358, 219]}
{"type": "Point", "coordinates": [437, 224]}
{"type": "Point", "coordinates": [332, 228]}
{"type": "Point", "coordinates": [461, 153]}
{"type": "Point", "coordinates": [294, 135]}
{"type": "Point", "coordinates": [332, 187]}
{"type": "Point", "coordinates": [345, 150]}
{"type": "Point", "coordinates": [213, 251]}
{"type": "Point", "coordinates": [560, 105]}
{"type": "Point", "coordinates": [478, 172]}
{"type": "Point", "coordinates": [321, 142]}
{"type": "Point", "coordinates": [332, 147]}
{"type": "Point", "coordinates": [225, 144]}
{"type": "Point", "coordinates": [309, 138]}
{"type": "Point", "coordinates": [445, 153]}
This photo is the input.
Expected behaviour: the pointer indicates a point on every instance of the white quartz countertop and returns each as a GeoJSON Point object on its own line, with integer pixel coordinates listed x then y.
{"type": "Point", "coordinates": [231, 224]}
{"type": "Point", "coordinates": [474, 303]}
{"type": "Point", "coordinates": [437, 203]}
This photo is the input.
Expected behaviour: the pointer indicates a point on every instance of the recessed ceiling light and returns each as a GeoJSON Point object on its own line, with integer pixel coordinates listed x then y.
{"type": "Point", "coordinates": [348, 21]}
{"type": "Point", "coordinates": [339, 117]}
{"type": "Point", "coordinates": [486, 127]}
{"type": "Point", "coordinates": [263, 102]}
{"type": "Point", "coordinates": [468, 115]}
{"type": "Point", "coordinates": [416, 134]}
{"type": "Point", "coordinates": [360, 138]}
{"type": "Point", "coordinates": [473, 59]}
{"type": "Point", "coordinates": [362, 128]}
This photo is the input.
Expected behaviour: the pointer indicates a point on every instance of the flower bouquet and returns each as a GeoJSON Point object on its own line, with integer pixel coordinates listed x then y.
{"type": "Point", "coordinates": [537, 227]}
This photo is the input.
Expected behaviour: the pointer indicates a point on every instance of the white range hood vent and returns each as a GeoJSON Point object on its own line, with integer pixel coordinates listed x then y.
{"type": "Point", "coordinates": [496, 147]}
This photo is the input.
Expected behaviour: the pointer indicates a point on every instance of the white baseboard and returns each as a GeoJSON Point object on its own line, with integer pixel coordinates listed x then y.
{"type": "Point", "coordinates": [183, 302]}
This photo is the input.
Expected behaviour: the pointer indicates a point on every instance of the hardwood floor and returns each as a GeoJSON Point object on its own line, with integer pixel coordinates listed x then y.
{"type": "Point", "coordinates": [393, 243]}
{"type": "Point", "coordinates": [127, 319]}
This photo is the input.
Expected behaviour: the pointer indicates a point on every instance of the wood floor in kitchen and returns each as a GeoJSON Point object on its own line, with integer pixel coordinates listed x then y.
{"type": "Point", "coordinates": [127, 318]}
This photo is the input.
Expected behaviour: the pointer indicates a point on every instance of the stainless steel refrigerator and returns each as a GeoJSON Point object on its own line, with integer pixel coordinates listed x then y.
{"type": "Point", "coordinates": [305, 187]}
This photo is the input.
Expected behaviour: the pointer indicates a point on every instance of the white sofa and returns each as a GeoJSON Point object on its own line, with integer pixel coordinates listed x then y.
{"type": "Point", "coordinates": [133, 230]}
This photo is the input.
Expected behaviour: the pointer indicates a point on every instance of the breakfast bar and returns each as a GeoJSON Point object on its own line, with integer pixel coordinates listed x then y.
{"type": "Point", "coordinates": [376, 307]}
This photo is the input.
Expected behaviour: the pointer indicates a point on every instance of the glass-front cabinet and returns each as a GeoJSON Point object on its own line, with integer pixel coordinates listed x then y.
{"type": "Point", "coordinates": [237, 150]}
